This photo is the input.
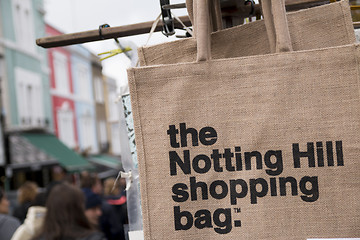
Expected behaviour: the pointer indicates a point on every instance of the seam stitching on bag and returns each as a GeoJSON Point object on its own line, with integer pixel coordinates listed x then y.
{"type": "Point", "coordinates": [142, 170]}
{"type": "Point", "coordinates": [346, 16]}
{"type": "Point", "coordinates": [357, 69]}
{"type": "Point", "coordinates": [144, 56]}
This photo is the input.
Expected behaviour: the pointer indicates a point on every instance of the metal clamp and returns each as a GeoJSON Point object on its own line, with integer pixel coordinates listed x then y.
{"type": "Point", "coordinates": [105, 25]}
{"type": "Point", "coordinates": [168, 21]}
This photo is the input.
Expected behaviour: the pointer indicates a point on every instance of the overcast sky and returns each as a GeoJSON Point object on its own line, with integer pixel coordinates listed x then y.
{"type": "Point", "coordinates": [71, 16]}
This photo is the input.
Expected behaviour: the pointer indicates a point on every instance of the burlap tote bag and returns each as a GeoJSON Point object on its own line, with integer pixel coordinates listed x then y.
{"type": "Point", "coordinates": [261, 147]}
{"type": "Point", "coordinates": [317, 27]}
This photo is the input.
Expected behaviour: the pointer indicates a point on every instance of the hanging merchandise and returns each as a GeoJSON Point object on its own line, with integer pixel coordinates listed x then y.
{"type": "Point", "coordinates": [322, 26]}
{"type": "Point", "coordinates": [259, 147]}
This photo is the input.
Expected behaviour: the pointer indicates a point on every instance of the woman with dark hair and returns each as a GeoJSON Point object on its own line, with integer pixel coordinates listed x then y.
{"type": "Point", "coordinates": [8, 224]}
{"type": "Point", "coordinates": [65, 218]}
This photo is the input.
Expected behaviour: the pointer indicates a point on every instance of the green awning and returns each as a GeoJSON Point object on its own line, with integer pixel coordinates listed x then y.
{"type": "Point", "coordinates": [66, 157]}
{"type": "Point", "coordinates": [106, 160]}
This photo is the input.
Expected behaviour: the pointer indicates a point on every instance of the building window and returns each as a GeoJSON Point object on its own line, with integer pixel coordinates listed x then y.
{"type": "Point", "coordinates": [87, 134]}
{"type": "Point", "coordinates": [61, 73]}
{"type": "Point", "coordinates": [103, 136]}
{"type": "Point", "coordinates": [29, 95]}
{"type": "Point", "coordinates": [102, 132]}
{"type": "Point", "coordinates": [29, 101]}
{"type": "Point", "coordinates": [113, 107]}
{"type": "Point", "coordinates": [84, 90]}
{"type": "Point", "coordinates": [24, 24]}
{"type": "Point", "coordinates": [99, 90]}
{"type": "Point", "coordinates": [115, 139]}
{"type": "Point", "coordinates": [66, 131]}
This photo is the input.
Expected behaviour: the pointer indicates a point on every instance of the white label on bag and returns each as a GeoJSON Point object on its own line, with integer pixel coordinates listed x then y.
{"type": "Point", "coordinates": [136, 235]}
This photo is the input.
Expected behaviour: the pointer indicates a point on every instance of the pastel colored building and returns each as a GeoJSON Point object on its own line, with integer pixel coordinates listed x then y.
{"type": "Point", "coordinates": [62, 92]}
{"type": "Point", "coordinates": [113, 117]}
{"type": "Point", "coordinates": [32, 151]}
{"type": "Point", "coordinates": [25, 89]}
{"type": "Point", "coordinates": [84, 99]}
{"type": "Point", "coordinates": [100, 108]}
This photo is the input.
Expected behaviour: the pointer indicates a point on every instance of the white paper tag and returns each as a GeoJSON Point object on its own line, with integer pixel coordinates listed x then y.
{"type": "Point", "coordinates": [136, 235]}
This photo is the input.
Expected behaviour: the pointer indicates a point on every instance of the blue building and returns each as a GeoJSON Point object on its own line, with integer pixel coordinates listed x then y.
{"type": "Point", "coordinates": [32, 151]}
{"type": "Point", "coordinates": [84, 99]}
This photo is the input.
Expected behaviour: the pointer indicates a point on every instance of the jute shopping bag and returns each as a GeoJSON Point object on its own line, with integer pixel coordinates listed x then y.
{"type": "Point", "coordinates": [322, 26]}
{"type": "Point", "coordinates": [259, 147]}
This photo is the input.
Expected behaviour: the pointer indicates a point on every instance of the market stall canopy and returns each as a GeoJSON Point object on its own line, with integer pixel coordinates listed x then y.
{"type": "Point", "coordinates": [106, 160]}
{"type": "Point", "coordinates": [23, 154]}
{"type": "Point", "coordinates": [106, 165]}
{"type": "Point", "coordinates": [44, 149]}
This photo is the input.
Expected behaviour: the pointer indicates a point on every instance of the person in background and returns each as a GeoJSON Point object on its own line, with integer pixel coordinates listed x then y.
{"type": "Point", "coordinates": [8, 224]}
{"type": "Point", "coordinates": [34, 219]}
{"type": "Point", "coordinates": [91, 181]}
{"type": "Point", "coordinates": [116, 197]}
{"type": "Point", "coordinates": [65, 218]}
{"type": "Point", "coordinates": [109, 223]}
{"type": "Point", "coordinates": [92, 207]}
{"type": "Point", "coordinates": [26, 195]}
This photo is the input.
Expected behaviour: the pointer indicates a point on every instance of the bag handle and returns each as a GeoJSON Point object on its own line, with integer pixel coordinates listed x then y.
{"type": "Point", "coordinates": [269, 23]}
{"type": "Point", "coordinates": [276, 26]}
{"type": "Point", "coordinates": [202, 29]}
{"type": "Point", "coordinates": [215, 13]}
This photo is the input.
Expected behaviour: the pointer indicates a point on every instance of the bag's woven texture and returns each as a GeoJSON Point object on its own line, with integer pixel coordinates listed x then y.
{"type": "Point", "coordinates": [324, 26]}
{"type": "Point", "coordinates": [257, 103]}
{"type": "Point", "coordinates": [256, 147]}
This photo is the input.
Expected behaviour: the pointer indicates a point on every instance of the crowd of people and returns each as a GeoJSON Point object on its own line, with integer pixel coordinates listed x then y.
{"type": "Point", "coordinates": [95, 210]}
